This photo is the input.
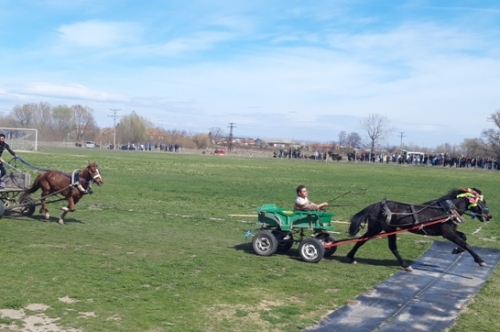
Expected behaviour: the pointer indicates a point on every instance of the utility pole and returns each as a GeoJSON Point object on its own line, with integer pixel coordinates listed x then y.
{"type": "Point", "coordinates": [402, 134]}
{"type": "Point", "coordinates": [230, 139]}
{"type": "Point", "coordinates": [114, 117]}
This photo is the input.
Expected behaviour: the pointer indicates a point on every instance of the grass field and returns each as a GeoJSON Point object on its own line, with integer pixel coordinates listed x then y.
{"type": "Point", "coordinates": [154, 248]}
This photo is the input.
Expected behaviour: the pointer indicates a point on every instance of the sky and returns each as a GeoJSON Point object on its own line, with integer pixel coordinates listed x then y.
{"type": "Point", "coordinates": [302, 70]}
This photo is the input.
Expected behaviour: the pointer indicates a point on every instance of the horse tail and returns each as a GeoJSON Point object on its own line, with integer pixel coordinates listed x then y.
{"type": "Point", "coordinates": [358, 219]}
{"type": "Point", "coordinates": [33, 189]}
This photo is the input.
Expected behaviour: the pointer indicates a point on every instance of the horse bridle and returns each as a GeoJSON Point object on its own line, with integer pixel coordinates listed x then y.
{"type": "Point", "coordinates": [476, 200]}
{"type": "Point", "coordinates": [96, 176]}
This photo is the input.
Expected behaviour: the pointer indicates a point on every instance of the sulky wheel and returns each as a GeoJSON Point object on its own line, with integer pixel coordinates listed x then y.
{"type": "Point", "coordinates": [311, 250]}
{"type": "Point", "coordinates": [28, 206]}
{"type": "Point", "coordinates": [327, 238]}
{"type": "Point", "coordinates": [285, 240]}
{"type": "Point", "coordinates": [264, 243]}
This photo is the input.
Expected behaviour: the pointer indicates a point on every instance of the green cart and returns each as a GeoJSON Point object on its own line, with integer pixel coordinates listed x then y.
{"type": "Point", "coordinates": [281, 228]}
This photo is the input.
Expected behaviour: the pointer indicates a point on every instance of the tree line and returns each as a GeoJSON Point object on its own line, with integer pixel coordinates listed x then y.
{"type": "Point", "coordinates": [377, 128]}
{"type": "Point", "coordinates": [77, 123]}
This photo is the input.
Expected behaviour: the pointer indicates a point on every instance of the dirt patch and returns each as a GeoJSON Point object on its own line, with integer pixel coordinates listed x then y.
{"type": "Point", "coordinates": [67, 299]}
{"type": "Point", "coordinates": [36, 322]}
{"type": "Point", "coordinates": [87, 314]}
{"type": "Point", "coordinates": [114, 318]}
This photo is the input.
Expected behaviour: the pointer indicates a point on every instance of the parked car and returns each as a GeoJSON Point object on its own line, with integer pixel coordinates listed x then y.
{"type": "Point", "coordinates": [128, 147]}
{"type": "Point", "coordinates": [90, 144]}
{"type": "Point", "coordinates": [219, 152]}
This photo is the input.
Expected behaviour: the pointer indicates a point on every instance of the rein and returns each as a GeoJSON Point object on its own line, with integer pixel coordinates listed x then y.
{"type": "Point", "coordinates": [83, 179]}
{"type": "Point", "coordinates": [335, 198]}
{"type": "Point", "coordinates": [41, 169]}
{"type": "Point", "coordinates": [32, 166]}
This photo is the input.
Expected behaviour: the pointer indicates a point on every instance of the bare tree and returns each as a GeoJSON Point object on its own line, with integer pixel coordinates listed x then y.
{"type": "Point", "coordinates": [86, 127]}
{"type": "Point", "coordinates": [45, 121]}
{"type": "Point", "coordinates": [342, 139]}
{"type": "Point", "coordinates": [492, 135]}
{"type": "Point", "coordinates": [353, 140]}
{"type": "Point", "coordinates": [202, 141]}
{"type": "Point", "coordinates": [133, 128]}
{"type": "Point", "coordinates": [377, 128]}
{"type": "Point", "coordinates": [474, 147]}
{"type": "Point", "coordinates": [216, 134]}
{"type": "Point", "coordinates": [25, 115]}
{"type": "Point", "coordinates": [64, 122]}
{"type": "Point", "coordinates": [38, 116]}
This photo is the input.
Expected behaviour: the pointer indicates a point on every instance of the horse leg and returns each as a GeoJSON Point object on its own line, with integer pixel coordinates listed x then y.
{"type": "Point", "coordinates": [45, 192]}
{"type": "Point", "coordinates": [391, 239]}
{"type": "Point", "coordinates": [62, 215]}
{"type": "Point", "coordinates": [66, 209]}
{"type": "Point", "coordinates": [44, 209]}
{"type": "Point", "coordinates": [459, 250]}
{"type": "Point", "coordinates": [457, 239]}
{"type": "Point", "coordinates": [368, 234]}
{"type": "Point", "coordinates": [351, 253]}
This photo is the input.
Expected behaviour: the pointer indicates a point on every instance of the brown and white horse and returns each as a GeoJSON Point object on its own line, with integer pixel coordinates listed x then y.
{"type": "Point", "coordinates": [58, 183]}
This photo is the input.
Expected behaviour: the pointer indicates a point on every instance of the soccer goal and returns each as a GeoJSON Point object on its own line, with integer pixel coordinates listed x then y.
{"type": "Point", "coordinates": [21, 139]}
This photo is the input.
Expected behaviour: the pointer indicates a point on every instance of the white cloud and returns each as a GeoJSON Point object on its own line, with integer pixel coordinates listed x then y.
{"type": "Point", "coordinates": [290, 70]}
{"type": "Point", "coordinates": [69, 91]}
{"type": "Point", "coordinates": [100, 34]}
{"type": "Point", "coordinates": [195, 42]}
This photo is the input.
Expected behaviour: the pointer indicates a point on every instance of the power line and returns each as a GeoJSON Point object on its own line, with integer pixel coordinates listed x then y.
{"type": "Point", "coordinates": [114, 117]}
{"type": "Point", "coordinates": [230, 140]}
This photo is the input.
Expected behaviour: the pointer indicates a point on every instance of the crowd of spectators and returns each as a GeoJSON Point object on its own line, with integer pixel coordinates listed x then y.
{"type": "Point", "coordinates": [405, 158]}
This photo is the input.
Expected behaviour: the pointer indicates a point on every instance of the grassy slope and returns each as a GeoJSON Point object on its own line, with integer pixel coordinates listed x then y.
{"type": "Point", "coordinates": [155, 250]}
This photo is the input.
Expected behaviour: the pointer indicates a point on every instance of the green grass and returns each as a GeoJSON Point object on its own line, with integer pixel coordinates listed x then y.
{"type": "Point", "coordinates": [154, 248]}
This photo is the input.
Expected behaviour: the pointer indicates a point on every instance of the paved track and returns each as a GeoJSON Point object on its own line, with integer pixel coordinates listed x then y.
{"type": "Point", "coordinates": [427, 299]}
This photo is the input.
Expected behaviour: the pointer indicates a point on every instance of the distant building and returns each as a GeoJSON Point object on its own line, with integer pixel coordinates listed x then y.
{"type": "Point", "coordinates": [156, 134]}
{"type": "Point", "coordinates": [277, 143]}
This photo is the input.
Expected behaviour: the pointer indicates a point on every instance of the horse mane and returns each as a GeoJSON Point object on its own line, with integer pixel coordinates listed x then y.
{"type": "Point", "coordinates": [452, 194]}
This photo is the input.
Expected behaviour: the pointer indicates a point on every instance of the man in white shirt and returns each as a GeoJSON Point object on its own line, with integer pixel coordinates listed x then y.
{"type": "Point", "coordinates": [303, 203]}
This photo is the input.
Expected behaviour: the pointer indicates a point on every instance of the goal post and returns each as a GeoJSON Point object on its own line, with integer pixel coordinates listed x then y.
{"type": "Point", "coordinates": [21, 139]}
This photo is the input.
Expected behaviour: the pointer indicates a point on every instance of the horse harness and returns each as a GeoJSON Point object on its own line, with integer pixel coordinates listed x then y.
{"type": "Point", "coordinates": [447, 206]}
{"type": "Point", "coordinates": [75, 180]}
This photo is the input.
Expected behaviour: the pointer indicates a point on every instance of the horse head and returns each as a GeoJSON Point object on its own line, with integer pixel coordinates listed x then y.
{"type": "Point", "coordinates": [475, 203]}
{"type": "Point", "coordinates": [93, 173]}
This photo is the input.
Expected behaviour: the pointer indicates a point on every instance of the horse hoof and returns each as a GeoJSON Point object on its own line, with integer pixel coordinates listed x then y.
{"type": "Point", "coordinates": [482, 264]}
{"type": "Point", "coordinates": [47, 216]}
{"type": "Point", "coordinates": [354, 262]}
{"type": "Point", "coordinates": [61, 222]}
{"type": "Point", "coordinates": [408, 269]}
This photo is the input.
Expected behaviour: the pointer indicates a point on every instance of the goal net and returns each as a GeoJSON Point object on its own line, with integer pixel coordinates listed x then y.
{"type": "Point", "coordinates": [21, 139]}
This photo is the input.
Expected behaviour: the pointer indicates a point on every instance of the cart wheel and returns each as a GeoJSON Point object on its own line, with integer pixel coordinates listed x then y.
{"type": "Point", "coordinates": [2, 208]}
{"type": "Point", "coordinates": [327, 238]}
{"type": "Point", "coordinates": [311, 250]}
{"type": "Point", "coordinates": [28, 207]}
{"type": "Point", "coordinates": [285, 240]}
{"type": "Point", "coordinates": [264, 243]}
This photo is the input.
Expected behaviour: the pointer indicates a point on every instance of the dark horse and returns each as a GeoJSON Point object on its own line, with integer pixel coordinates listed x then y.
{"type": "Point", "coordinates": [389, 216]}
{"type": "Point", "coordinates": [58, 183]}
